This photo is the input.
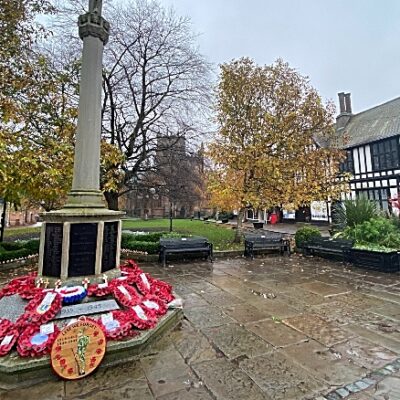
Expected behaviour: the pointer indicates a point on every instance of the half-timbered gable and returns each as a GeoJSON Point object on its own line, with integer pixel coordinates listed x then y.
{"type": "Point", "coordinates": [371, 139]}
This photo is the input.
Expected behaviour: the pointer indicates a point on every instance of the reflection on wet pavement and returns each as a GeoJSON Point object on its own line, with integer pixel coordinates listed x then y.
{"type": "Point", "coordinates": [273, 328]}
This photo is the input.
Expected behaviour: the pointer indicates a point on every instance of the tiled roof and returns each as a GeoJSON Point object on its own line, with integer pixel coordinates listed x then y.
{"type": "Point", "coordinates": [380, 122]}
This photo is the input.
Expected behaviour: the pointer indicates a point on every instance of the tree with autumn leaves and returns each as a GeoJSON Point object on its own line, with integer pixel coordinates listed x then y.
{"type": "Point", "coordinates": [275, 140]}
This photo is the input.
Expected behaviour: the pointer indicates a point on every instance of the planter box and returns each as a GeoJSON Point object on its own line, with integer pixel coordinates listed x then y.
{"type": "Point", "coordinates": [376, 260]}
{"type": "Point", "coordinates": [258, 225]}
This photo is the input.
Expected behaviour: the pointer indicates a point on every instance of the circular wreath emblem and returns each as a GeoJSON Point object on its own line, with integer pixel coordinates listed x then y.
{"type": "Point", "coordinates": [78, 349]}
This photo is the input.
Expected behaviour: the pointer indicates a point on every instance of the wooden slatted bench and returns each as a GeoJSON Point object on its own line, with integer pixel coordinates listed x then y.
{"type": "Point", "coordinates": [328, 247]}
{"type": "Point", "coordinates": [267, 241]}
{"type": "Point", "coordinates": [185, 246]}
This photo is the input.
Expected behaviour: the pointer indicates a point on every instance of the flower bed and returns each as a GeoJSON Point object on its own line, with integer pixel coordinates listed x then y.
{"type": "Point", "coordinates": [384, 261]}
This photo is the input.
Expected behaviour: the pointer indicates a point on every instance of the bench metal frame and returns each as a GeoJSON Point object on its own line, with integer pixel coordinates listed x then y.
{"type": "Point", "coordinates": [328, 246]}
{"type": "Point", "coordinates": [254, 243]}
{"type": "Point", "coordinates": [185, 246]}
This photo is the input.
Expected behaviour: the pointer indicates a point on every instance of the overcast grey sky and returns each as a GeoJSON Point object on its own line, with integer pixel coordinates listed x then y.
{"type": "Point", "coordinates": [342, 45]}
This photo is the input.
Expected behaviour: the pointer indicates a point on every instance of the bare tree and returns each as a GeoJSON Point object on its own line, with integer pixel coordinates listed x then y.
{"type": "Point", "coordinates": [155, 84]}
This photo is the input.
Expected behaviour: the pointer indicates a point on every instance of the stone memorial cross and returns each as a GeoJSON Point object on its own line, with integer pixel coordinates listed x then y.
{"type": "Point", "coordinates": [83, 238]}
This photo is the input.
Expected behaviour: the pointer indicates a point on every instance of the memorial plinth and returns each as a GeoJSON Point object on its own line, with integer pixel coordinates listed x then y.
{"type": "Point", "coordinates": [78, 243]}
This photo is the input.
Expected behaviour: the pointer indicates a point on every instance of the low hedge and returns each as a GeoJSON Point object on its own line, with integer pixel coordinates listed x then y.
{"type": "Point", "coordinates": [304, 234]}
{"type": "Point", "coordinates": [11, 246]}
{"type": "Point", "coordinates": [14, 254]}
{"type": "Point", "coordinates": [149, 237]}
{"type": "Point", "coordinates": [149, 242]}
{"type": "Point", "coordinates": [32, 245]}
{"type": "Point", "coordinates": [14, 250]}
{"type": "Point", "coordinates": [148, 247]}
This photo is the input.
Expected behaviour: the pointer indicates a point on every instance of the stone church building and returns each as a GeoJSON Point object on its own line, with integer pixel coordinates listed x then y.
{"type": "Point", "coordinates": [175, 185]}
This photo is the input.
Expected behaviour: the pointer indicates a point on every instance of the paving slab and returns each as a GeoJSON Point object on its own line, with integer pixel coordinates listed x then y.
{"type": "Point", "coordinates": [235, 341]}
{"type": "Point", "coordinates": [384, 326]}
{"type": "Point", "coordinates": [193, 300]}
{"type": "Point", "coordinates": [128, 391]}
{"type": "Point", "coordinates": [298, 294]}
{"type": "Point", "coordinates": [226, 381]}
{"type": "Point", "coordinates": [193, 346]}
{"type": "Point", "coordinates": [203, 287]}
{"type": "Point", "coordinates": [374, 337]}
{"type": "Point", "coordinates": [318, 328]}
{"type": "Point", "coordinates": [324, 363]}
{"type": "Point", "coordinates": [220, 298]}
{"type": "Point", "coordinates": [391, 311]}
{"type": "Point", "coordinates": [279, 377]}
{"type": "Point", "coordinates": [338, 312]}
{"type": "Point", "coordinates": [131, 372]}
{"type": "Point", "coordinates": [163, 360]}
{"type": "Point", "coordinates": [324, 289]}
{"type": "Point", "coordinates": [202, 317]}
{"type": "Point", "coordinates": [276, 333]}
{"type": "Point", "coordinates": [362, 301]}
{"type": "Point", "coordinates": [365, 353]}
{"type": "Point", "coordinates": [275, 307]}
{"type": "Point", "coordinates": [190, 393]}
{"type": "Point", "coordinates": [244, 313]}
{"type": "Point", "coordinates": [47, 390]}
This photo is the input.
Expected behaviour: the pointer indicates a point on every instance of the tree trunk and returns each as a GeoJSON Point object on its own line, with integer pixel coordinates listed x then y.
{"type": "Point", "coordinates": [238, 233]}
{"type": "Point", "coordinates": [112, 200]}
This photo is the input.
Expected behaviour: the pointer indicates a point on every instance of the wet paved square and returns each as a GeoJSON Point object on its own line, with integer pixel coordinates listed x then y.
{"type": "Point", "coordinates": [273, 328]}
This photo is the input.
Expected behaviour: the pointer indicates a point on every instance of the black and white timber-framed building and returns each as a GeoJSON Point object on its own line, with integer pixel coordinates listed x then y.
{"type": "Point", "coordinates": [371, 140]}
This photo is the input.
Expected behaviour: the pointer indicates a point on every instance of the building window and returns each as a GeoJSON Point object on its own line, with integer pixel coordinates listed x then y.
{"type": "Point", "coordinates": [348, 164]}
{"type": "Point", "coordinates": [385, 154]}
{"type": "Point", "coordinates": [379, 196]}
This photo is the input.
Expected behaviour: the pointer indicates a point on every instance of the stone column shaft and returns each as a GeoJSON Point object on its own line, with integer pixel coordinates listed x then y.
{"type": "Point", "coordinates": [87, 148]}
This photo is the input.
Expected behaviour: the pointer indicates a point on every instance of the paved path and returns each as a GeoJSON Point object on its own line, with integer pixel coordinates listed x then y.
{"type": "Point", "coordinates": [270, 329]}
{"type": "Point", "coordinates": [291, 229]}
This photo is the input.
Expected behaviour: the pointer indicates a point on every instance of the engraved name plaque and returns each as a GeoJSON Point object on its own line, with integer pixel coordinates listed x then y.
{"type": "Point", "coordinates": [82, 249]}
{"type": "Point", "coordinates": [110, 237]}
{"type": "Point", "coordinates": [53, 250]}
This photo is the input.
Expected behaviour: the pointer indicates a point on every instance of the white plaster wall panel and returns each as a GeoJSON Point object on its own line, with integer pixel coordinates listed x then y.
{"type": "Point", "coordinates": [361, 159]}
{"type": "Point", "coordinates": [368, 158]}
{"type": "Point", "coordinates": [356, 162]}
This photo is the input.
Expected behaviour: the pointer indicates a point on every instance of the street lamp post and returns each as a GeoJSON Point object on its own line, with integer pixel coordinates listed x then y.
{"type": "Point", "coordinates": [3, 202]}
{"type": "Point", "coordinates": [170, 216]}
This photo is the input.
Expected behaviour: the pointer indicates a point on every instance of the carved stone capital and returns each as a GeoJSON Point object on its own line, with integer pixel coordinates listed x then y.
{"type": "Point", "coordinates": [92, 24]}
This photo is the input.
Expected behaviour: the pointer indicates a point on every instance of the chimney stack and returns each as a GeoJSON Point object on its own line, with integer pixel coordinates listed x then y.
{"type": "Point", "coordinates": [345, 111]}
{"type": "Point", "coordinates": [342, 106]}
{"type": "Point", "coordinates": [347, 101]}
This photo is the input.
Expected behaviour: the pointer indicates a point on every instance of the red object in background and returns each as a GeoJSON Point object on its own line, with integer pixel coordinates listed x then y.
{"type": "Point", "coordinates": [273, 219]}
{"type": "Point", "coordinates": [395, 202]}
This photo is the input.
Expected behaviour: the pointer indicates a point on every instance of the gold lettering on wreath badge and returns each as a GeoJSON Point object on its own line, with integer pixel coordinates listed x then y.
{"type": "Point", "coordinates": [78, 350]}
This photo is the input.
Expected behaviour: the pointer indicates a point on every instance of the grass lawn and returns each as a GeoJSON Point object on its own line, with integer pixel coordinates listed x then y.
{"type": "Point", "coordinates": [220, 236]}
{"type": "Point", "coordinates": [21, 232]}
